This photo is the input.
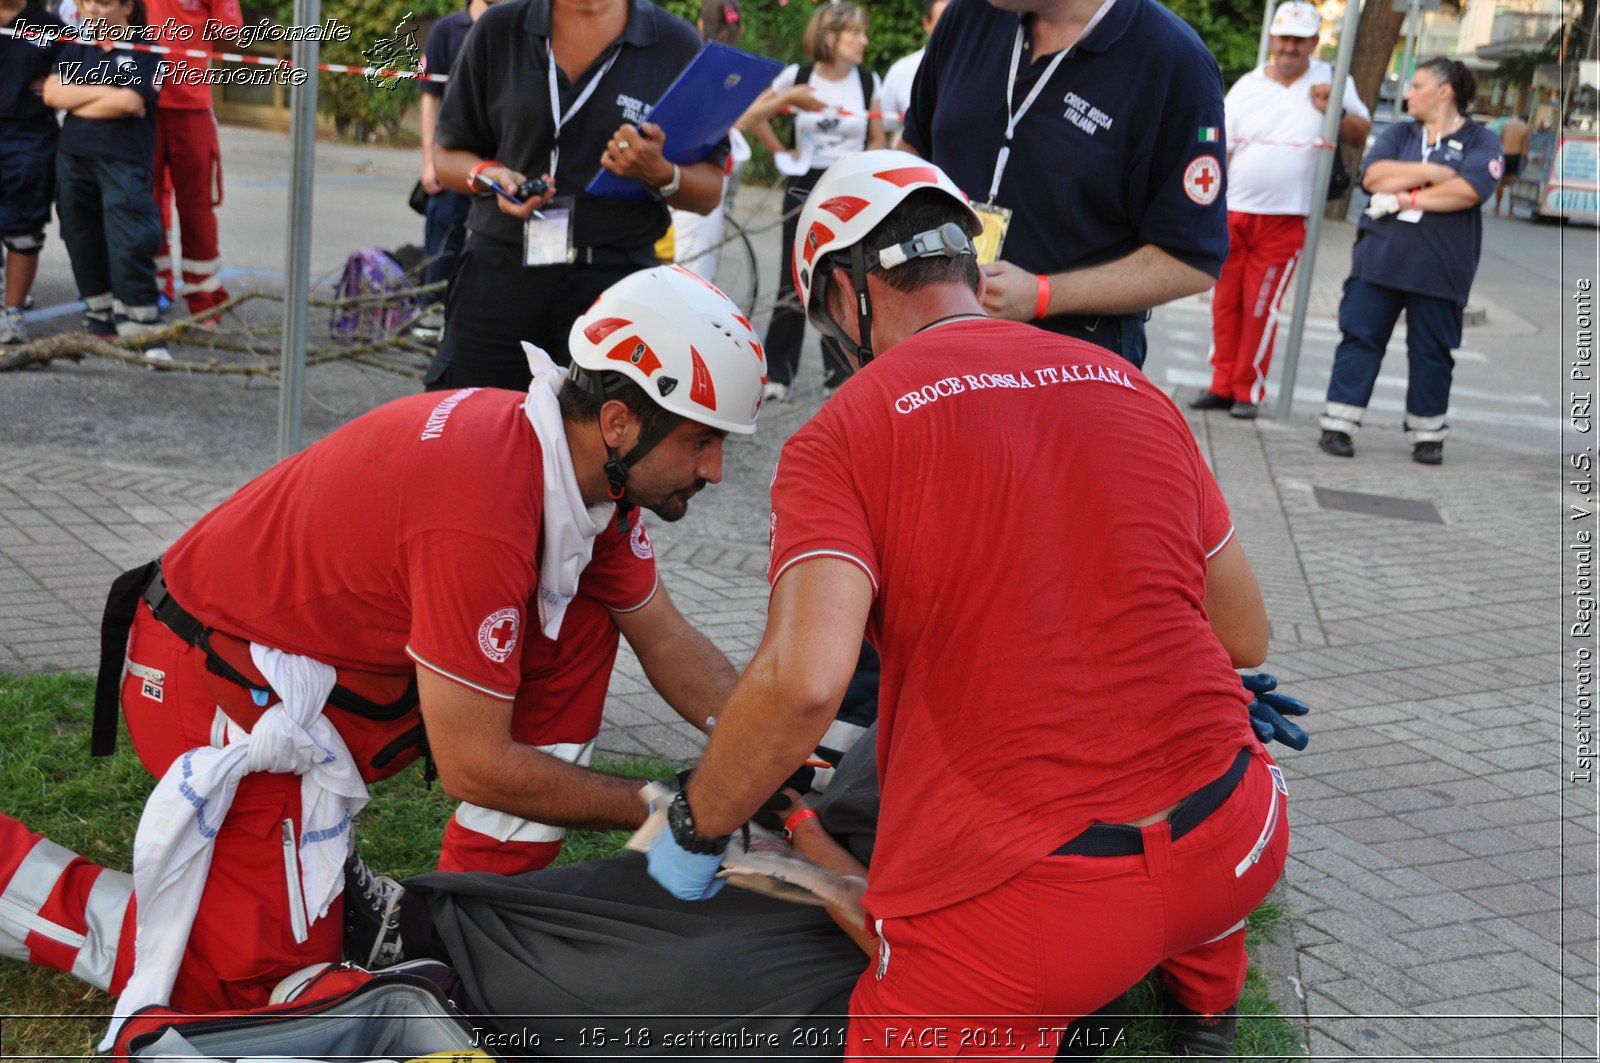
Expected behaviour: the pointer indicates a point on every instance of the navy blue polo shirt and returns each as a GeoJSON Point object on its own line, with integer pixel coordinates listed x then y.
{"type": "Point", "coordinates": [131, 139]}
{"type": "Point", "coordinates": [497, 106]}
{"type": "Point", "coordinates": [24, 61]}
{"type": "Point", "coordinates": [442, 47]}
{"type": "Point", "coordinates": [1437, 255]}
{"type": "Point", "coordinates": [1123, 147]}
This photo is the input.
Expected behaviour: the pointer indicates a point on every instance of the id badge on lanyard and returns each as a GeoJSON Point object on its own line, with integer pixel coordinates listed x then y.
{"type": "Point", "coordinates": [997, 219]}
{"type": "Point", "coordinates": [547, 235]}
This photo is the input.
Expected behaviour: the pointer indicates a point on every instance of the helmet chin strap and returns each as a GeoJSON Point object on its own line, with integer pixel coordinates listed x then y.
{"type": "Point", "coordinates": [947, 241]}
{"type": "Point", "coordinates": [858, 279]}
{"type": "Point", "coordinates": [618, 465]}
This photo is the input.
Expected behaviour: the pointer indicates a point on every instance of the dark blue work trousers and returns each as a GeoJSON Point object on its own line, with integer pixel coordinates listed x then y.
{"type": "Point", "coordinates": [1367, 317]}
{"type": "Point", "coordinates": [443, 234]}
{"type": "Point", "coordinates": [112, 232]}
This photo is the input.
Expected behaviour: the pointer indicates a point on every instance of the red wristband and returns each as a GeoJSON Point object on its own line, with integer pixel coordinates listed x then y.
{"type": "Point", "coordinates": [1413, 199]}
{"type": "Point", "coordinates": [472, 174]}
{"type": "Point", "coordinates": [800, 816]}
{"type": "Point", "coordinates": [1042, 307]}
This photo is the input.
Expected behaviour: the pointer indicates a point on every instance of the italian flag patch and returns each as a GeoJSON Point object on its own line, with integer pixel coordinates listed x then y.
{"type": "Point", "coordinates": [1210, 134]}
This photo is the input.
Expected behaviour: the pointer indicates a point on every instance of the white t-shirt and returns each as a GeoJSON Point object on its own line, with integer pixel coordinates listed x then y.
{"type": "Point", "coordinates": [1272, 129]}
{"type": "Point", "coordinates": [824, 137]}
{"type": "Point", "coordinates": [896, 94]}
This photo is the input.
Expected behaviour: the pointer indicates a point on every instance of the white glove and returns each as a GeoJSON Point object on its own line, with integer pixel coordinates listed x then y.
{"type": "Point", "coordinates": [1382, 203]}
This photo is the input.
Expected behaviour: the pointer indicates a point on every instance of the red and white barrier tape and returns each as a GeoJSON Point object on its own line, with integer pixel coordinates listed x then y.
{"type": "Point", "coordinates": [892, 116]}
{"type": "Point", "coordinates": [257, 60]}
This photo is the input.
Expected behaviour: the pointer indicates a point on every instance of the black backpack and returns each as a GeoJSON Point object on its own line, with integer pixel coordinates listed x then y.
{"type": "Point", "coordinates": [802, 76]}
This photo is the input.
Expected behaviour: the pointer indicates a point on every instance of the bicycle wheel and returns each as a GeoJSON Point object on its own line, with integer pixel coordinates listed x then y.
{"type": "Point", "coordinates": [737, 274]}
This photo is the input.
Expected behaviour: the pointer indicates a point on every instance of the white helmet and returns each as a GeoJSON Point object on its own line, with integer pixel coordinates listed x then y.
{"type": "Point", "coordinates": [1296, 18]}
{"type": "Point", "coordinates": [681, 340]}
{"type": "Point", "coordinates": [849, 201]}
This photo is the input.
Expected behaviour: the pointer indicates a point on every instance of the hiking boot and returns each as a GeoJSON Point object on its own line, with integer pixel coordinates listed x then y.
{"type": "Point", "coordinates": [1429, 453]}
{"type": "Point", "coordinates": [371, 916]}
{"type": "Point", "coordinates": [1245, 411]}
{"type": "Point", "coordinates": [1210, 400]}
{"type": "Point", "coordinates": [1197, 1033]}
{"type": "Point", "coordinates": [1339, 444]}
{"type": "Point", "coordinates": [12, 328]}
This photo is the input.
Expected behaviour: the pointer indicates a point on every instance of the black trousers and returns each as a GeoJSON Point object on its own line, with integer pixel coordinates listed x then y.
{"type": "Point", "coordinates": [787, 328]}
{"type": "Point", "coordinates": [496, 302]}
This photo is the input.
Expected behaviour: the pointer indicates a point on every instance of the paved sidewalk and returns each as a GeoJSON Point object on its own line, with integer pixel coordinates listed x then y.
{"type": "Point", "coordinates": [1441, 884]}
{"type": "Point", "coordinates": [1430, 864]}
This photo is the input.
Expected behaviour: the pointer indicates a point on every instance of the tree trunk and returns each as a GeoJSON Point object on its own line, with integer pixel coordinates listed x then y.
{"type": "Point", "coordinates": [1376, 35]}
{"type": "Point", "coordinates": [1377, 32]}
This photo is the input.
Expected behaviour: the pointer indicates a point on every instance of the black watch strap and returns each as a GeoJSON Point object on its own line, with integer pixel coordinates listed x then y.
{"type": "Point", "coordinates": [681, 822]}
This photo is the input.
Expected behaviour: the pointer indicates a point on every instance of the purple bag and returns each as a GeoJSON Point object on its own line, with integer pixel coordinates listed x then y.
{"type": "Point", "coordinates": [371, 271]}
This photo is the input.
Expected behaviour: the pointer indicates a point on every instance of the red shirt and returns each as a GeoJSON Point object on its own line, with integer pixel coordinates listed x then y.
{"type": "Point", "coordinates": [176, 89]}
{"type": "Point", "coordinates": [409, 535]}
{"type": "Point", "coordinates": [1036, 519]}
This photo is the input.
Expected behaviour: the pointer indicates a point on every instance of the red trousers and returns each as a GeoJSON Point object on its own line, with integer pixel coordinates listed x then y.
{"type": "Point", "coordinates": [1263, 250]}
{"type": "Point", "coordinates": [188, 168]}
{"type": "Point", "coordinates": [1003, 972]}
{"type": "Point", "coordinates": [242, 943]}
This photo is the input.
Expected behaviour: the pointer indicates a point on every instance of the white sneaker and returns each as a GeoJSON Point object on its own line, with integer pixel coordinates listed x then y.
{"type": "Point", "coordinates": [775, 392]}
{"type": "Point", "coordinates": [157, 353]}
{"type": "Point", "coordinates": [430, 327]}
{"type": "Point", "coordinates": [296, 983]}
{"type": "Point", "coordinates": [12, 328]}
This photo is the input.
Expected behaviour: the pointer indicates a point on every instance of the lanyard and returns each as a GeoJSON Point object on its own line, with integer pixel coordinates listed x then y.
{"type": "Point", "coordinates": [1426, 150]}
{"type": "Point", "coordinates": [1011, 85]}
{"type": "Point", "coordinates": [556, 116]}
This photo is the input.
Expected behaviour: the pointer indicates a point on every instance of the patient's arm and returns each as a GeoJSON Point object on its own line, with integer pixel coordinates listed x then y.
{"type": "Point", "coordinates": [818, 846]}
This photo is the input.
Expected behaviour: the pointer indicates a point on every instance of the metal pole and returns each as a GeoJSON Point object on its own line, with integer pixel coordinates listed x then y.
{"type": "Point", "coordinates": [297, 270]}
{"type": "Point", "coordinates": [1414, 19]}
{"type": "Point", "coordinates": [1266, 34]}
{"type": "Point", "coordinates": [1319, 196]}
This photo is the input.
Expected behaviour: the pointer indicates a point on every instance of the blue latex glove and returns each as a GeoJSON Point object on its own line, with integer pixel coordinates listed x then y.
{"type": "Point", "coordinates": [1268, 710]}
{"type": "Point", "coordinates": [687, 876]}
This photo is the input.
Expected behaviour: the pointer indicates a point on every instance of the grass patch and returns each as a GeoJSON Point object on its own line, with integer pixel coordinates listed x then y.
{"type": "Point", "coordinates": [92, 806]}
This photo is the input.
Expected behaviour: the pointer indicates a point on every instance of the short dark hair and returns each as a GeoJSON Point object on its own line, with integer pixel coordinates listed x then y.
{"type": "Point", "coordinates": [1463, 85]}
{"type": "Point", "coordinates": [581, 404]}
{"type": "Point", "coordinates": [721, 20]}
{"type": "Point", "coordinates": [919, 212]}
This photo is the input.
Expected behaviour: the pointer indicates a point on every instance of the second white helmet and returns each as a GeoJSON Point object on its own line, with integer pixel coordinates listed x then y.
{"type": "Point", "coordinates": [681, 340]}
{"type": "Point", "coordinates": [851, 199]}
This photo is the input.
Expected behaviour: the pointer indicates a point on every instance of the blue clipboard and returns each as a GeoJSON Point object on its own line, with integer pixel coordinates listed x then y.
{"type": "Point", "coordinates": [697, 110]}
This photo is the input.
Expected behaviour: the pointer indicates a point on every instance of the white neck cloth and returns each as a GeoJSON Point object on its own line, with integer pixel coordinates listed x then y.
{"type": "Point", "coordinates": [569, 527]}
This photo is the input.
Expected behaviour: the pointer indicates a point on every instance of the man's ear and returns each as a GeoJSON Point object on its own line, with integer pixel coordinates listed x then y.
{"type": "Point", "coordinates": [618, 426]}
{"type": "Point", "coordinates": [983, 284]}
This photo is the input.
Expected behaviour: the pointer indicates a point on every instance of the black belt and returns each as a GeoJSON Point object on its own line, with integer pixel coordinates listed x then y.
{"type": "Point", "coordinates": [1119, 839]}
{"type": "Point", "coordinates": [586, 256]}
{"type": "Point", "coordinates": [147, 584]}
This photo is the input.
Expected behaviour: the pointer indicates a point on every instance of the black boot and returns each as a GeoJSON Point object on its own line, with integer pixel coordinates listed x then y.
{"type": "Point", "coordinates": [1339, 444]}
{"type": "Point", "coordinates": [1429, 453]}
{"type": "Point", "coordinates": [1210, 400]}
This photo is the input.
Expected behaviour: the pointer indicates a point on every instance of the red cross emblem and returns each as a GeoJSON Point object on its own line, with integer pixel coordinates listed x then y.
{"type": "Point", "coordinates": [1202, 180]}
{"type": "Point", "coordinates": [497, 635]}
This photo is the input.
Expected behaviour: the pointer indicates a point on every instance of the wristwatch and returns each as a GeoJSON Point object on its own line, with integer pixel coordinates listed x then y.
{"type": "Point", "coordinates": [681, 821]}
{"type": "Point", "coordinates": [670, 189]}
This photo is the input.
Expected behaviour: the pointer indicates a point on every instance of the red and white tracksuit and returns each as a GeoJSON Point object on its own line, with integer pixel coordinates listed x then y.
{"type": "Point", "coordinates": [1263, 250]}
{"type": "Point", "coordinates": [188, 159]}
